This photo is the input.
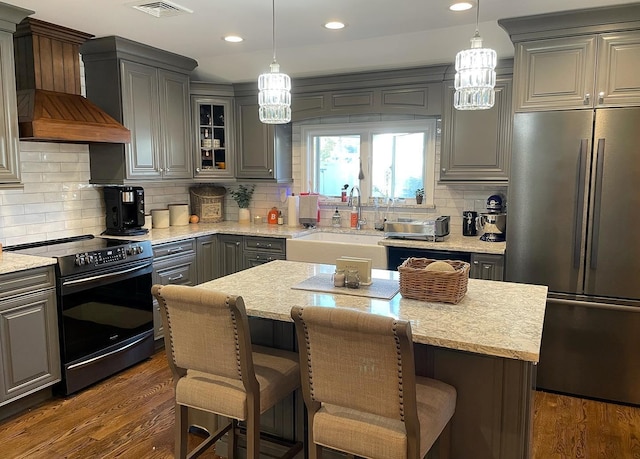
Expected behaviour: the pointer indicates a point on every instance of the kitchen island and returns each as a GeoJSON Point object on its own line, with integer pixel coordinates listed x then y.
{"type": "Point", "coordinates": [486, 346]}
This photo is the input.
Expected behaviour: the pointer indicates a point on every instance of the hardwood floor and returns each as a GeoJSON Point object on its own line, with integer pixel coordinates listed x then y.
{"type": "Point", "coordinates": [131, 416]}
{"type": "Point", "coordinates": [568, 427]}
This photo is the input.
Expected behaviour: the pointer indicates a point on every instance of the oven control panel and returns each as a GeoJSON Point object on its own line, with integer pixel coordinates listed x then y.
{"type": "Point", "coordinates": [110, 255]}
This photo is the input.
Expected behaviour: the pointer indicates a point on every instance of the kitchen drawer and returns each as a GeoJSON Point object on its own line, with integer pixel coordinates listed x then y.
{"type": "Point", "coordinates": [174, 248]}
{"type": "Point", "coordinates": [21, 282]}
{"type": "Point", "coordinates": [252, 259]}
{"type": "Point", "coordinates": [265, 244]}
{"type": "Point", "coordinates": [172, 270]}
{"type": "Point", "coordinates": [181, 270]}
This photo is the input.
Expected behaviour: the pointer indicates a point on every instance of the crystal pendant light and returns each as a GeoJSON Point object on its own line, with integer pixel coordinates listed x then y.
{"type": "Point", "coordinates": [274, 88]}
{"type": "Point", "coordinates": [475, 75]}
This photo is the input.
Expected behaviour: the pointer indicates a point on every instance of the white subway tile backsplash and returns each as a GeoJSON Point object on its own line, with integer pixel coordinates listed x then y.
{"type": "Point", "coordinates": [39, 147]}
{"type": "Point", "coordinates": [25, 198]}
{"type": "Point", "coordinates": [82, 176]}
{"type": "Point", "coordinates": [7, 210]}
{"type": "Point", "coordinates": [58, 201]}
{"type": "Point", "coordinates": [22, 220]}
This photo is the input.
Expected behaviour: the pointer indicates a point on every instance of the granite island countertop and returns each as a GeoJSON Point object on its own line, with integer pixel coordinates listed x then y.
{"type": "Point", "coordinates": [494, 318]}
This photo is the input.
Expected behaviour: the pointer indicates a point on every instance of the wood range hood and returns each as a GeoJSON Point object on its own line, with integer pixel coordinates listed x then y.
{"type": "Point", "coordinates": [51, 107]}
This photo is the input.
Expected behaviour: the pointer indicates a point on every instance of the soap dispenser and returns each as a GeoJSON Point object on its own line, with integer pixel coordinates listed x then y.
{"type": "Point", "coordinates": [335, 220]}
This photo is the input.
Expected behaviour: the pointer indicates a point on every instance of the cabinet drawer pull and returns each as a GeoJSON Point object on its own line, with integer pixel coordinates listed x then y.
{"type": "Point", "coordinates": [178, 277]}
{"type": "Point", "coordinates": [175, 250]}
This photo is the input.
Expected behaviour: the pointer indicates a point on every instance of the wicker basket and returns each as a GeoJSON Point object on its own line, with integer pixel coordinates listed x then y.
{"type": "Point", "coordinates": [207, 202]}
{"type": "Point", "coordinates": [436, 286]}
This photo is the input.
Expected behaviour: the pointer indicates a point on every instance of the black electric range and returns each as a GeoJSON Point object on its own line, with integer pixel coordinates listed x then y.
{"type": "Point", "coordinates": [104, 304]}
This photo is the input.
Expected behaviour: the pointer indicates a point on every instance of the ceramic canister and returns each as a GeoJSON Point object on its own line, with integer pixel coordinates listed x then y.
{"type": "Point", "coordinates": [160, 218]}
{"type": "Point", "coordinates": [178, 214]}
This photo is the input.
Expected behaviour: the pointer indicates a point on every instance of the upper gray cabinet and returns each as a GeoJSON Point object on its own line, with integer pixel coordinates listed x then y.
{"type": "Point", "coordinates": [146, 89]}
{"type": "Point", "coordinates": [263, 150]}
{"type": "Point", "coordinates": [416, 91]}
{"type": "Point", "coordinates": [9, 144]}
{"type": "Point", "coordinates": [582, 59]}
{"type": "Point", "coordinates": [420, 99]}
{"type": "Point", "coordinates": [214, 139]}
{"type": "Point", "coordinates": [476, 144]}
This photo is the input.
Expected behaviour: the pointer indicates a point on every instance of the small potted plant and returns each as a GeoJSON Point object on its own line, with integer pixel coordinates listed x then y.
{"type": "Point", "coordinates": [419, 195]}
{"type": "Point", "coordinates": [242, 196]}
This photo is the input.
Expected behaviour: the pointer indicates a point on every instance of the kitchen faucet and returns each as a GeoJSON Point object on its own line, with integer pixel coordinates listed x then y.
{"type": "Point", "coordinates": [361, 221]}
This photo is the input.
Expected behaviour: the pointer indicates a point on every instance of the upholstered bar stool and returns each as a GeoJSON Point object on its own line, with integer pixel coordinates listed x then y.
{"type": "Point", "coordinates": [216, 369]}
{"type": "Point", "coordinates": [360, 389]}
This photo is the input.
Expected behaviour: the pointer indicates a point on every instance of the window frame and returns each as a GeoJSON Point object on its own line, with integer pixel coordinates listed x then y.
{"type": "Point", "coordinates": [366, 130]}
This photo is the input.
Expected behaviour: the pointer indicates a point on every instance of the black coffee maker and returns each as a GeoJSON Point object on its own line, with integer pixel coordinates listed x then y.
{"type": "Point", "coordinates": [125, 210]}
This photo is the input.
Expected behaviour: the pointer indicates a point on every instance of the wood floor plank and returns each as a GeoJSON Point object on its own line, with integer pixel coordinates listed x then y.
{"type": "Point", "coordinates": [131, 416]}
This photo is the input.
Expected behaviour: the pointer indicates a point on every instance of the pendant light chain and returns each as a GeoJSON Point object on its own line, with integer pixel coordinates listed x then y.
{"type": "Point", "coordinates": [273, 28]}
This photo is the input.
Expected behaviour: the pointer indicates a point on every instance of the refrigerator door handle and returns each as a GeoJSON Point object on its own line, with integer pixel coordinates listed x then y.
{"type": "Point", "coordinates": [593, 262]}
{"type": "Point", "coordinates": [596, 305]}
{"type": "Point", "coordinates": [577, 228]}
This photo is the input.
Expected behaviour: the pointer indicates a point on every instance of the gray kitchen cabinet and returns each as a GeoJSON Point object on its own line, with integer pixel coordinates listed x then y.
{"type": "Point", "coordinates": [236, 252]}
{"type": "Point", "coordinates": [173, 263]}
{"type": "Point", "coordinates": [229, 254]}
{"type": "Point", "coordinates": [578, 59]}
{"type": "Point", "coordinates": [263, 150]}
{"type": "Point", "coordinates": [9, 145]}
{"type": "Point", "coordinates": [487, 266]}
{"type": "Point", "coordinates": [29, 346]}
{"type": "Point", "coordinates": [146, 89]}
{"type": "Point", "coordinates": [214, 137]}
{"type": "Point", "coordinates": [206, 256]}
{"type": "Point", "coordinates": [260, 250]}
{"type": "Point", "coordinates": [476, 144]}
{"type": "Point", "coordinates": [415, 99]}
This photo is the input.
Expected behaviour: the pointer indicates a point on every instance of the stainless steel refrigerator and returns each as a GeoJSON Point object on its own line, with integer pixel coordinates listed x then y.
{"type": "Point", "coordinates": [574, 225]}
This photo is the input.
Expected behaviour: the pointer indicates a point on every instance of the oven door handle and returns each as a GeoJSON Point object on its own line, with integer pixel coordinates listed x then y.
{"type": "Point", "coordinates": [103, 356]}
{"type": "Point", "coordinates": [104, 276]}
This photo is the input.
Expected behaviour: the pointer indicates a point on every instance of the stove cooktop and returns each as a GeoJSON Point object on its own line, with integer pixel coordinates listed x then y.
{"type": "Point", "coordinates": [85, 253]}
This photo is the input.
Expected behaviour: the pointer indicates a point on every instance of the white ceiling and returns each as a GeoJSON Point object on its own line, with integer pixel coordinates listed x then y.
{"type": "Point", "coordinates": [380, 34]}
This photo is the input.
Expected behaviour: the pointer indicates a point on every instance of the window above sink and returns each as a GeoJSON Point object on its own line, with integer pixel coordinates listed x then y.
{"type": "Point", "coordinates": [396, 158]}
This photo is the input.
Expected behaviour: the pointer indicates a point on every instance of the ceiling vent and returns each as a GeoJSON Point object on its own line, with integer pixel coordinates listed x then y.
{"type": "Point", "coordinates": [161, 9]}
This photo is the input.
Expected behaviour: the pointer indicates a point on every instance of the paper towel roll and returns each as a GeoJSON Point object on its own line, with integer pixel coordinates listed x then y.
{"type": "Point", "coordinates": [292, 211]}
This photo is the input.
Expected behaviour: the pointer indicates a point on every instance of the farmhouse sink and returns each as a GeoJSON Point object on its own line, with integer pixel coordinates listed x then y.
{"type": "Point", "coordinates": [325, 247]}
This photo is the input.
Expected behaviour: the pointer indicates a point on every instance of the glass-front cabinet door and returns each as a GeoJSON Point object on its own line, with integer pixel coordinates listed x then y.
{"type": "Point", "coordinates": [214, 149]}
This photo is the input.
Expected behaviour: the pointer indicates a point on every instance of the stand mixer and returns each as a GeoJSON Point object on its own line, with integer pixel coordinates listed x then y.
{"type": "Point", "coordinates": [494, 221]}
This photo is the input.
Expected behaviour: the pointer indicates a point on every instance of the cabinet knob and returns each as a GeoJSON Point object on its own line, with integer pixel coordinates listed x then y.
{"type": "Point", "coordinates": [237, 243]}
{"type": "Point", "coordinates": [587, 99]}
{"type": "Point", "coordinates": [271, 171]}
{"type": "Point", "coordinates": [444, 170]}
{"type": "Point", "coordinates": [198, 170]}
{"type": "Point", "coordinates": [475, 263]}
{"type": "Point", "coordinates": [601, 97]}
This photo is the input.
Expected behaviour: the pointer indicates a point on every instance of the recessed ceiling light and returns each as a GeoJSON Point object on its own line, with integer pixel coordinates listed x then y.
{"type": "Point", "coordinates": [334, 25]}
{"type": "Point", "coordinates": [233, 38]}
{"type": "Point", "coordinates": [461, 6]}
